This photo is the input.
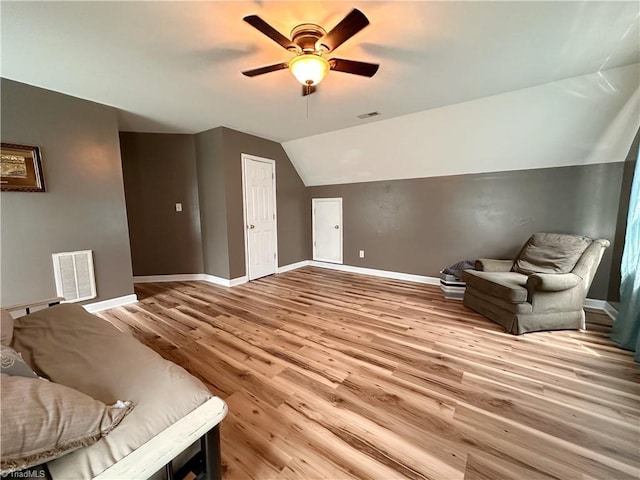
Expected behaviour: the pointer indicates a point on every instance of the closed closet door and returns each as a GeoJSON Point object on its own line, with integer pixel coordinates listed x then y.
{"type": "Point", "coordinates": [327, 229]}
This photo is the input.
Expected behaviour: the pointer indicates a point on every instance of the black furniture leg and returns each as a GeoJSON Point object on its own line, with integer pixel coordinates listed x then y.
{"type": "Point", "coordinates": [210, 444]}
{"type": "Point", "coordinates": [168, 468]}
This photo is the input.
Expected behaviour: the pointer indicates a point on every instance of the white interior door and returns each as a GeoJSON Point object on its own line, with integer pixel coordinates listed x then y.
{"type": "Point", "coordinates": [327, 229]}
{"type": "Point", "coordinates": [260, 216]}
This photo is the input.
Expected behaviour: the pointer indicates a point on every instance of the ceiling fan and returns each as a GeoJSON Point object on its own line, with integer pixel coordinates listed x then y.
{"type": "Point", "coordinates": [310, 43]}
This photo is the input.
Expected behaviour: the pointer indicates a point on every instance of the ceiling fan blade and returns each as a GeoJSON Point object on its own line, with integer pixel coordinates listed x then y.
{"type": "Point", "coordinates": [259, 24]}
{"type": "Point", "coordinates": [343, 31]}
{"type": "Point", "coordinates": [308, 90]}
{"type": "Point", "coordinates": [267, 69]}
{"type": "Point", "coordinates": [351, 66]}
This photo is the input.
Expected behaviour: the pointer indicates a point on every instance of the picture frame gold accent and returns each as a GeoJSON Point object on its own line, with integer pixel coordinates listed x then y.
{"type": "Point", "coordinates": [21, 168]}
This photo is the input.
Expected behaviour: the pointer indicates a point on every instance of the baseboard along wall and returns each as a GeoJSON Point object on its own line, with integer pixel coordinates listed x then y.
{"type": "Point", "coordinates": [187, 277]}
{"type": "Point", "coordinates": [111, 303]}
{"type": "Point", "coordinates": [594, 304]}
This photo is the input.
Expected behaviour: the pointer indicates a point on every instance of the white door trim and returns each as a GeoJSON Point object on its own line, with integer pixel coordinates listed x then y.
{"type": "Point", "coordinates": [244, 157]}
{"type": "Point", "coordinates": [313, 226]}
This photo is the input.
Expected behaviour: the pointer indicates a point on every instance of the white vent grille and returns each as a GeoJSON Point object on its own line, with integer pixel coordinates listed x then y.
{"type": "Point", "coordinates": [74, 275]}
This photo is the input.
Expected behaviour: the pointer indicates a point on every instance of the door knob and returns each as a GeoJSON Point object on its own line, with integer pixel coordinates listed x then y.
{"type": "Point", "coordinates": [252, 226]}
{"type": "Point", "coordinates": [336, 227]}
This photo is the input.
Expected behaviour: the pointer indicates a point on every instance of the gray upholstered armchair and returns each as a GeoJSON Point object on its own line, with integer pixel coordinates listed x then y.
{"type": "Point", "coordinates": [543, 289]}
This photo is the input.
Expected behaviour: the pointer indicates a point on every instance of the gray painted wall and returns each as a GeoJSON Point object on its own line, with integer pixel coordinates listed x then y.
{"type": "Point", "coordinates": [84, 206]}
{"type": "Point", "coordinates": [218, 153]}
{"type": "Point", "coordinates": [421, 225]}
{"type": "Point", "coordinates": [160, 171]}
{"type": "Point", "coordinates": [213, 208]}
{"type": "Point", "coordinates": [414, 226]}
{"type": "Point", "coordinates": [621, 225]}
{"type": "Point", "coordinates": [293, 209]}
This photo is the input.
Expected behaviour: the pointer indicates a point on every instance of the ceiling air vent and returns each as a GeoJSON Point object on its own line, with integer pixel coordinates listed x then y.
{"type": "Point", "coordinates": [75, 280]}
{"type": "Point", "coordinates": [368, 115]}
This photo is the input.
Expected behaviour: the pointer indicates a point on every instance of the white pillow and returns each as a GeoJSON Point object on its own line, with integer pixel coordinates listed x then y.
{"type": "Point", "coordinates": [6, 327]}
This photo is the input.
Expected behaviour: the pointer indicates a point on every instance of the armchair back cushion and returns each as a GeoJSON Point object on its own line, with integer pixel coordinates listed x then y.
{"type": "Point", "coordinates": [551, 253]}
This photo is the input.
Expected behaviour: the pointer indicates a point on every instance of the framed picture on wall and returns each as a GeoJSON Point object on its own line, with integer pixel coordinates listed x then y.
{"type": "Point", "coordinates": [21, 168]}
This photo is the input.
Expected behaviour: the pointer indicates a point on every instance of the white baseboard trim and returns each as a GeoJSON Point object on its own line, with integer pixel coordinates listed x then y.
{"type": "Point", "coordinates": [184, 277]}
{"type": "Point", "coordinates": [594, 303]}
{"type": "Point", "coordinates": [602, 306]}
{"type": "Point", "coordinates": [591, 303]}
{"type": "Point", "coordinates": [238, 281]}
{"type": "Point", "coordinates": [378, 273]}
{"type": "Point", "coordinates": [224, 282]}
{"type": "Point", "coordinates": [189, 277]}
{"type": "Point", "coordinates": [111, 303]}
{"type": "Point", "coordinates": [293, 266]}
{"type": "Point", "coordinates": [611, 311]}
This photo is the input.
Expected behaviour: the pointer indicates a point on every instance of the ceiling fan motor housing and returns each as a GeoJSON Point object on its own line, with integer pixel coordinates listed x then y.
{"type": "Point", "coordinates": [306, 36]}
{"type": "Point", "coordinates": [310, 43]}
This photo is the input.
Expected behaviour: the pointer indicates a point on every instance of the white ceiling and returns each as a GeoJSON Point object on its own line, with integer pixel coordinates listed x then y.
{"type": "Point", "coordinates": [175, 66]}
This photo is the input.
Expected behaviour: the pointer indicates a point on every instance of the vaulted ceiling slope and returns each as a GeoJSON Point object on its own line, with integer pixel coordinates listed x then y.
{"type": "Point", "coordinates": [175, 66]}
{"type": "Point", "coordinates": [578, 121]}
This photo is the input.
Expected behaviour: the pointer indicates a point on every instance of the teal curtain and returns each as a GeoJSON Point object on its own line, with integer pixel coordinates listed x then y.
{"type": "Point", "coordinates": [626, 328]}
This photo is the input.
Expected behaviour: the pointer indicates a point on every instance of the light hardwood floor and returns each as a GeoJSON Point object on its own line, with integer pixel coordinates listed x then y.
{"type": "Point", "coordinates": [336, 375]}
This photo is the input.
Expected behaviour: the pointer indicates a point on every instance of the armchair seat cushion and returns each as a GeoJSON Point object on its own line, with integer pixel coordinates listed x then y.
{"type": "Point", "coordinates": [508, 286]}
{"type": "Point", "coordinates": [513, 308]}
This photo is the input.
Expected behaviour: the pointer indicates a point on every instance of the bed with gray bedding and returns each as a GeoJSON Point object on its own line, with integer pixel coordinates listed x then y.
{"type": "Point", "coordinates": [70, 346]}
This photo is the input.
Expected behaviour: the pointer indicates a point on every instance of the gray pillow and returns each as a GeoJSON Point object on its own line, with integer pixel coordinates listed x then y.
{"type": "Point", "coordinates": [11, 363]}
{"type": "Point", "coordinates": [41, 421]}
{"type": "Point", "coordinates": [551, 253]}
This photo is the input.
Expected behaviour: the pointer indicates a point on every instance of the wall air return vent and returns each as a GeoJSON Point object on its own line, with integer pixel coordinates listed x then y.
{"type": "Point", "coordinates": [75, 280]}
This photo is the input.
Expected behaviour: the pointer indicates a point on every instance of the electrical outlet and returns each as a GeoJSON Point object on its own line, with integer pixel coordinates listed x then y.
{"type": "Point", "coordinates": [361, 253]}
{"type": "Point", "coordinates": [178, 207]}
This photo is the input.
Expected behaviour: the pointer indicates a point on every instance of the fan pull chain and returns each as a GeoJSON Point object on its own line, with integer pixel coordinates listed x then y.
{"type": "Point", "coordinates": [307, 107]}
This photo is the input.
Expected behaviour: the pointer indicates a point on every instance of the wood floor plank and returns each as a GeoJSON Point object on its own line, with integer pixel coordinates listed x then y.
{"type": "Point", "coordinates": [568, 412]}
{"type": "Point", "coordinates": [336, 375]}
{"type": "Point", "coordinates": [543, 451]}
{"type": "Point", "coordinates": [483, 466]}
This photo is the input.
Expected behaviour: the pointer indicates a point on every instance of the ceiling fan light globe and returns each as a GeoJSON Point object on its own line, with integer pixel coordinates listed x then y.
{"type": "Point", "coordinates": [309, 69]}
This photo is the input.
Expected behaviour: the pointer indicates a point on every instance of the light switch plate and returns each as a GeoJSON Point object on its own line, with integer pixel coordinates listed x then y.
{"type": "Point", "coordinates": [178, 207]}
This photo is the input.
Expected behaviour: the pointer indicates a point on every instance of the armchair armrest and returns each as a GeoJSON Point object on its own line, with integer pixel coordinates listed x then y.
{"type": "Point", "coordinates": [552, 282]}
{"type": "Point", "coordinates": [490, 265]}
